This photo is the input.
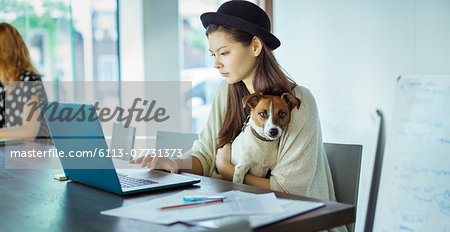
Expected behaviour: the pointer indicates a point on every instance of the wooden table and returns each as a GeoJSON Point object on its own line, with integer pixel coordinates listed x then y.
{"type": "Point", "coordinates": [31, 200]}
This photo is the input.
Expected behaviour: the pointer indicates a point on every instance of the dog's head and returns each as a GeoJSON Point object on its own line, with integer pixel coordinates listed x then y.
{"type": "Point", "coordinates": [271, 113]}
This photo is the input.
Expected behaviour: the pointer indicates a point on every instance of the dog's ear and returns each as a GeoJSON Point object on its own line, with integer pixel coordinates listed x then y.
{"type": "Point", "coordinates": [251, 100]}
{"type": "Point", "coordinates": [291, 100]}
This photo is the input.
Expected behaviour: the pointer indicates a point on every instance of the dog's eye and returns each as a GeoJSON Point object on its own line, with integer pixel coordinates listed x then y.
{"type": "Point", "coordinates": [282, 114]}
{"type": "Point", "coordinates": [263, 114]}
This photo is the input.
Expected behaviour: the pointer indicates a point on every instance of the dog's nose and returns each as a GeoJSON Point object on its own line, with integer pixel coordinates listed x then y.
{"type": "Point", "coordinates": [273, 131]}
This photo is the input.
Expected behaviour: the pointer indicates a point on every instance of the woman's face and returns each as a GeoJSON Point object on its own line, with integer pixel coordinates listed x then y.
{"type": "Point", "coordinates": [234, 61]}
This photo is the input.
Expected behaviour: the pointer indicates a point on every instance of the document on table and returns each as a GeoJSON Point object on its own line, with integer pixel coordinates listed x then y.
{"type": "Point", "coordinates": [291, 208]}
{"type": "Point", "coordinates": [236, 203]}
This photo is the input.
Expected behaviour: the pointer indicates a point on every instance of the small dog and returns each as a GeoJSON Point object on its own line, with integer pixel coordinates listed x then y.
{"type": "Point", "coordinates": [255, 149]}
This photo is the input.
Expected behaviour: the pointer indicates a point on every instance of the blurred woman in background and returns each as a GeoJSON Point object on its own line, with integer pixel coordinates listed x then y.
{"type": "Point", "coordinates": [20, 88]}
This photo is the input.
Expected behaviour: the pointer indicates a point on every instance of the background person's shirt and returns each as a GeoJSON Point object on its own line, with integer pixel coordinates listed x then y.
{"type": "Point", "coordinates": [11, 104]}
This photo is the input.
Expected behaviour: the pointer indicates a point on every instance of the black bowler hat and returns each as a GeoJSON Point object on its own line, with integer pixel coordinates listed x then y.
{"type": "Point", "coordinates": [245, 16]}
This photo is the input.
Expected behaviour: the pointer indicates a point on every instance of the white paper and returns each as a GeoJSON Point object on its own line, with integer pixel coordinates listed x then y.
{"type": "Point", "coordinates": [236, 203]}
{"type": "Point", "coordinates": [291, 208]}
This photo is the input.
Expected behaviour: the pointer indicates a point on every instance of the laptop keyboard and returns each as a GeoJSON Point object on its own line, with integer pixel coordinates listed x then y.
{"type": "Point", "coordinates": [130, 182]}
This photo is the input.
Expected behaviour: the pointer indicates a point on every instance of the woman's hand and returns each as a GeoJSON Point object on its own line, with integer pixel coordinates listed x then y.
{"type": "Point", "coordinates": [223, 162]}
{"type": "Point", "coordinates": [163, 163]}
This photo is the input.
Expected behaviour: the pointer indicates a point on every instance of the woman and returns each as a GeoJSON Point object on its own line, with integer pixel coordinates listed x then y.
{"type": "Point", "coordinates": [20, 89]}
{"type": "Point", "coordinates": [241, 43]}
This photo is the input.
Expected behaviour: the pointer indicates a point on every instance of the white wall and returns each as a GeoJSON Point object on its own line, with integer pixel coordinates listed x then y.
{"type": "Point", "coordinates": [351, 52]}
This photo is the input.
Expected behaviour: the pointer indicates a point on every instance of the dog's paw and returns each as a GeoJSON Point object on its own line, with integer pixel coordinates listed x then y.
{"type": "Point", "coordinates": [239, 174]}
{"type": "Point", "coordinates": [238, 179]}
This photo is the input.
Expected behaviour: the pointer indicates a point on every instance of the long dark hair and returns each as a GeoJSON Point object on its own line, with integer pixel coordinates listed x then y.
{"type": "Point", "coordinates": [269, 79]}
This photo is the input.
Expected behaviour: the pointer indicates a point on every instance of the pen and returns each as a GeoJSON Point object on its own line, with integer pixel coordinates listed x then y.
{"type": "Point", "coordinates": [191, 204]}
{"type": "Point", "coordinates": [202, 198]}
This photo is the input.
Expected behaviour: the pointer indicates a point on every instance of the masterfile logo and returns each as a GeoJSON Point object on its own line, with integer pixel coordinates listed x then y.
{"type": "Point", "coordinates": [105, 114]}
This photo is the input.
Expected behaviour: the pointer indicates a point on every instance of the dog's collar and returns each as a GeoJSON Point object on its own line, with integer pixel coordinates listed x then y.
{"type": "Point", "coordinates": [259, 136]}
{"type": "Point", "coordinates": [254, 131]}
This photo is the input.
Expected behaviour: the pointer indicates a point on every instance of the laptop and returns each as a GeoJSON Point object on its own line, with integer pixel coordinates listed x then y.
{"type": "Point", "coordinates": [76, 130]}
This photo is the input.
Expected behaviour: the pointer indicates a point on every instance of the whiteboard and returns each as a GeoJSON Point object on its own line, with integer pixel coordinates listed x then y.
{"type": "Point", "coordinates": [354, 125]}
{"type": "Point", "coordinates": [414, 191]}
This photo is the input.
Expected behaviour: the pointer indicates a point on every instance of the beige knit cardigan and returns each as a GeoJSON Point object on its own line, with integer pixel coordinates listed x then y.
{"type": "Point", "coordinates": [302, 166]}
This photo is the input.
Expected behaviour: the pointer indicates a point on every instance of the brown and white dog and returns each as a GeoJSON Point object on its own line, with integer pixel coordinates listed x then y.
{"type": "Point", "coordinates": [255, 149]}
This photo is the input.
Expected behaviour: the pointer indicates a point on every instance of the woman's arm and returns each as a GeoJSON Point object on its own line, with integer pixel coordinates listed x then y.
{"type": "Point", "coordinates": [191, 164]}
{"type": "Point", "coordinates": [256, 181]}
{"type": "Point", "coordinates": [29, 128]}
{"type": "Point", "coordinates": [226, 169]}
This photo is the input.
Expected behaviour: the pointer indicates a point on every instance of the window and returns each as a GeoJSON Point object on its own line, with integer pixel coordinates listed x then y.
{"type": "Point", "coordinates": [45, 27]}
{"type": "Point", "coordinates": [73, 44]}
{"type": "Point", "coordinates": [68, 40]}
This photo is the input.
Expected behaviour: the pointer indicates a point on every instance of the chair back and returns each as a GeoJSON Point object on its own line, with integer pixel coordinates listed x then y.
{"type": "Point", "coordinates": [175, 140]}
{"type": "Point", "coordinates": [123, 138]}
{"type": "Point", "coordinates": [345, 165]}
